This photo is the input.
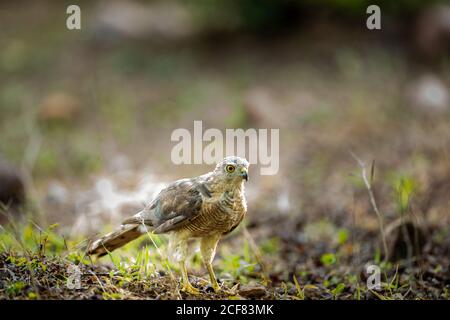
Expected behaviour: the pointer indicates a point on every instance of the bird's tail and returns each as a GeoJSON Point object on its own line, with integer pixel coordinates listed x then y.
{"type": "Point", "coordinates": [114, 240]}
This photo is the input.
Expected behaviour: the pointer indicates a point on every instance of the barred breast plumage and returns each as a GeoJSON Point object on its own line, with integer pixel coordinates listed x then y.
{"type": "Point", "coordinates": [219, 215]}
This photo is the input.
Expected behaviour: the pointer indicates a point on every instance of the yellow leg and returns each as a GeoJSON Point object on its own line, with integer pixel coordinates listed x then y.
{"type": "Point", "coordinates": [208, 248]}
{"type": "Point", "coordinates": [212, 277]}
{"type": "Point", "coordinates": [187, 286]}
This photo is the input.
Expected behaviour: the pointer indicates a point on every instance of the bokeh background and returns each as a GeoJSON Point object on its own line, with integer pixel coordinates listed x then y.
{"type": "Point", "coordinates": [86, 118]}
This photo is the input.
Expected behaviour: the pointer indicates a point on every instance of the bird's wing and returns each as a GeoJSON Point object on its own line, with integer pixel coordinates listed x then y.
{"type": "Point", "coordinates": [174, 206]}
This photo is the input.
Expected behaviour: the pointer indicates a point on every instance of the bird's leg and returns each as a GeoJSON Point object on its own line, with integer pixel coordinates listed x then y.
{"type": "Point", "coordinates": [178, 252]}
{"type": "Point", "coordinates": [187, 286]}
{"type": "Point", "coordinates": [208, 248]}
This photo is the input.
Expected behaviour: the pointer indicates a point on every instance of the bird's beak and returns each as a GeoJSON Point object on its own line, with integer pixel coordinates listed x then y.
{"type": "Point", "coordinates": [244, 174]}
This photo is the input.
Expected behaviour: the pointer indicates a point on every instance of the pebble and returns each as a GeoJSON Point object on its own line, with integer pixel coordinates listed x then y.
{"type": "Point", "coordinates": [252, 291]}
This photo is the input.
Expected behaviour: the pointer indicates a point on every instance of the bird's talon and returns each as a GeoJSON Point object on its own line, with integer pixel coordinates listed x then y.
{"type": "Point", "coordinates": [190, 289]}
{"type": "Point", "coordinates": [228, 292]}
{"type": "Point", "coordinates": [218, 289]}
{"type": "Point", "coordinates": [202, 282]}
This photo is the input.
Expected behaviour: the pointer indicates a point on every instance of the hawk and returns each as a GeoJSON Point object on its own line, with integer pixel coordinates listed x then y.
{"type": "Point", "coordinates": [205, 208]}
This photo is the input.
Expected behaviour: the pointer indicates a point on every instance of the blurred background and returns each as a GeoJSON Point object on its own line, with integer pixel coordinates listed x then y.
{"type": "Point", "coordinates": [86, 116]}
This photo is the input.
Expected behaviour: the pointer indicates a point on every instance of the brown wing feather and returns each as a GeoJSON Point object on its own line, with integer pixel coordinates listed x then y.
{"type": "Point", "coordinates": [176, 205]}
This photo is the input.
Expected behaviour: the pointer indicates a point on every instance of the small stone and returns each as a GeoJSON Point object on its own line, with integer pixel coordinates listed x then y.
{"type": "Point", "coordinates": [162, 273]}
{"type": "Point", "coordinates": [12, 186]}
{"type": "Point", "coordinates": [252, 291]}
{"type": "Point", "coordinates": [209, 289]}
{"type": "Point", "coordinates": [59, 106]}
{"type": "Point", "coordinates": [429, 94]}
{"type": "Point", "coordinates": [57, 193]}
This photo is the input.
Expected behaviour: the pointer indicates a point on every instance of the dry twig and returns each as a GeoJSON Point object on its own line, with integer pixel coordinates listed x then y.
{"type": "Point", "coordinates": [368, 184]}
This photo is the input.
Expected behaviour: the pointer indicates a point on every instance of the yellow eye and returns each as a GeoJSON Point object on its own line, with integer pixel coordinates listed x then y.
{"type": "Point", "coordinates": [230, 168]}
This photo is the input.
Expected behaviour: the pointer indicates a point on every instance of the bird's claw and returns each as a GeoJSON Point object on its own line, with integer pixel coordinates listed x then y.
{"type": "Point", "coordinates": [227, 292]}
{"type": "Point", "coordinates": [218, 289]}
{"type": "Point", "coordinates": [202, 282]}
{"type": "Point", "coordinates": [214, 285]}
{"type": "Point", "coordinates": [188, 288]}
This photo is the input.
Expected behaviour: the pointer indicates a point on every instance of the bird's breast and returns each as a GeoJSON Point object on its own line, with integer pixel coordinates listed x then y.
{"type": "Point", "coordinates": [219, 215]}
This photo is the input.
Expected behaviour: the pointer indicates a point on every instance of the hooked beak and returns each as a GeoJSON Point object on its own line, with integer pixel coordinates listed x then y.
{"type": "Point", "coordinates": [244, 174]}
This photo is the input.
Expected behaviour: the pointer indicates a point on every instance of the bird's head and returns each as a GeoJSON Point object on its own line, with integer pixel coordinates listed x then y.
{"type": "Point", "coordinates": [233, 169]}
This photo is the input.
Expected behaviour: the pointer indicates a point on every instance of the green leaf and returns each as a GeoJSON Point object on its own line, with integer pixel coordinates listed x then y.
{"type": "Point", "coordinates": [338, 290]}
{"type": "Point", "coordinates": [328, 259]}
{"type": "Point", "coordinates": [342, 236]}
{"type": "Point", "coordinates": [300, 292]}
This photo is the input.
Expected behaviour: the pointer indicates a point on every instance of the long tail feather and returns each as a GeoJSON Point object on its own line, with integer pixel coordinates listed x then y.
{"type": "Point", "coordinates": [114, 240]}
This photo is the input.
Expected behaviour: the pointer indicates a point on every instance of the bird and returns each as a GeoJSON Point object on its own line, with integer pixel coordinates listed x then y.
{"type": "Point", "coordinates": [203, 208]}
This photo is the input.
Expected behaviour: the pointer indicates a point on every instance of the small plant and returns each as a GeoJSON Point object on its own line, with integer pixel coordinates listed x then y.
{"type": "Point", "coordinates": [342, 236]}
{"type": "Point", "coordinates": [328, 259]}
{"type": "Point", "coordinates": [404, 187]}
{"type": "Point", "coordinates": [338, 290]}
{"type": "Point", "coordinates": [300, 291]}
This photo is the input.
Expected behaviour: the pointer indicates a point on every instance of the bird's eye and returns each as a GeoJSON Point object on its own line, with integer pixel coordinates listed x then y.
{"type": "Point", "coordinates": [230, 168]}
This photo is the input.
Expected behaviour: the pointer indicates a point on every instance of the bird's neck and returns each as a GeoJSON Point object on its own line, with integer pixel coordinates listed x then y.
{"type": "Point", "coordinates": [219, 186]}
